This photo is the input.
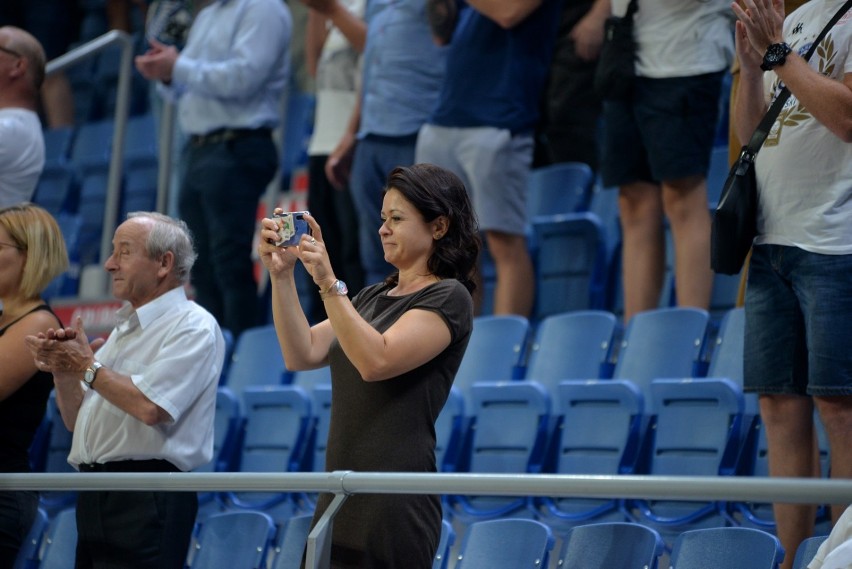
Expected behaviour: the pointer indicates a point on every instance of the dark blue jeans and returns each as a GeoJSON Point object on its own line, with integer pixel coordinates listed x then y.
{"type": "Point", "coordinates": [222, 184]}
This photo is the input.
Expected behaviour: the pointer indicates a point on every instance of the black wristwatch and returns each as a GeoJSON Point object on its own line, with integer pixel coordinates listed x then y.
{"type": "Point", "coordinates": [776, 54]}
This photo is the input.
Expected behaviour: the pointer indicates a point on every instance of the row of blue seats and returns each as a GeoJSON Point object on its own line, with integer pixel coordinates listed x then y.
{"type": "Point", "coordinates": [251, 540]}
{"type": "Point", "coordinates": [660, 343]}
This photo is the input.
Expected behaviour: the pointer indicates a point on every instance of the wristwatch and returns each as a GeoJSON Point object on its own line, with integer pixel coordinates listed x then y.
{"type": "Point", "coordinates": [92, 372]}
{"type": "Point", "coordinates": [776, 54]}
{"type": "Point", "coordinates": [337, 288]}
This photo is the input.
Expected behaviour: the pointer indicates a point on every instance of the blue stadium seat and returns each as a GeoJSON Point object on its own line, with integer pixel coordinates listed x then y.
{"type": "Point", "coordinates": [56, 190]}
{"type": "Point", "coordinates": [57, 145]}
{"type": "Point", "coordinates": [308, 379]}
{"type": "Point", "coordinates": [573, 345]}
{"type": "Point", "coordinates": [450, 428]}
{"type": "Point", "coordinates": [696, 431]}
{"type": "Point", "coordinates": [806, 551]}
{"type": "Point", "coordinates": [505, 544]}
{"type": "Point", "coordinates": [729, 547]}
{"type": "Point", "coordinates": [615, 545]}
{"type": "Point", "coordinates": [581, 446]}
{"type": "Point", "coordinates": [508, 434]}
{"type": "Point", "coordinates": [227, 440]}
{"type": "Point", "coordinates": [237, 540]}
{"type": "Point", "coordinates": [28, 554]}
{"type": "Point", "coordinates": [564, 187]}
{"type": "Point", "coordinates": [58, 447]}
{"type": "Point", "coordinates": [277, 429]}
{"type": "Point", "coordinates": [290, 542]}
{"type": "Point", "coordinates": [60, 541]}
{"type": "Point", "coordinates": [445, 543]}
{"type": "Point", "coordinates": [726, 359]}
{"type": "Point", "coordinates": [494, 352]}
{"type": "Point", "coordinates": [661, 343]}
{"type": "Point", "coordinates": [93, 144]}
{"type": "Point", "coordinates": [569, 256]}
{"type": "Point", "coordinates": [257, 360]}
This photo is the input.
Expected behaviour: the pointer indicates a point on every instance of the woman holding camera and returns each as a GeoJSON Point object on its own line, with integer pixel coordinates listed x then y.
{"type": "Point", "coordinates": [32, 253]}
{"type": "Point", "coordinates": [394, 350]}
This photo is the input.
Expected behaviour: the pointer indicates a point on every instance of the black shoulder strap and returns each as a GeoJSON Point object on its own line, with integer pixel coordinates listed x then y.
{"type": "Point", "coordinates": [762, 130]}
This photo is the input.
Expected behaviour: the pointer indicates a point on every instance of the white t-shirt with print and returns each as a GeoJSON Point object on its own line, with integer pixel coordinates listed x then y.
{"type": "Point", "coordinates": [804, 172]}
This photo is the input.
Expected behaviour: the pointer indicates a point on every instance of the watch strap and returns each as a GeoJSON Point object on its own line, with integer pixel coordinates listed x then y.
{"type": "Point", "coordinates": [334, 289]}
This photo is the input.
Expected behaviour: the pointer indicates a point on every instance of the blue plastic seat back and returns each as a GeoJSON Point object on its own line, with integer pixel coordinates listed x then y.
{"type": "Point", "coordinates": [257, 360]}
{"type": "Point", "coordinates": [611, 545]}
{"type": "Point", "coordinates": [57, 145]}
{"type": "Point", "coordinates": [581, 446]}
{"type": "Point", "coordinates": [586, 448]}
{"type": "Point", "coordinates": [509, 426]}
{"type": "Point", "coordinates": [29, 552]}
{"type": "Point", "coordinates": [277, 427]}
{"type": "Point", "coordinates": [507, 434]}
{"type": "Point", "coordinates": [60, 541]}
{"type": "Point", "coordinates": [446, 541]}
{"type": "Point", "coordinates": [290, 542]}
{"type": "Point", "coordinates": [237, 540]}
{"type": "Point", "coordinates": [93, 143]}
{"type": "Point", "coordinates": [806, 551]}
{"type": "Point", "coordinates": [308, 379]}
{"type": "Point", "coordinates": [564, 187]}
{"type": "Point", "coordinates": [570, 346]}
{"type": "Point", "coordinates": [661, 343]}
{"type": "Point", "coordinates": [505, 544]}
{"type": "Point", "coordinates": [696, 432]}
{"type": "Point", "coordinates": [277, 421]}
{"type": "Point", "coordinates": [564, 281]}
{"type": "Point", "coordinates": [321, 406]}
{"type": "Point", "coordinates": [227, 427]}
{"type": "Point", "coordinates": [728, 547]}
{"type": "Point", "coordinates": [727, 357]}
{"type": "Point", "coordinates": [140, 141]}
{"type": "Point", "coordinates": [449, 431]}
{"type": "Point", "coordinates": [698, 427]}
{"type": "Point", "coordinates": [56, 189]}
{"type": "Point", "coordinates": [140, 188]}
{"type": "Point", "coordinates": [494, 351]}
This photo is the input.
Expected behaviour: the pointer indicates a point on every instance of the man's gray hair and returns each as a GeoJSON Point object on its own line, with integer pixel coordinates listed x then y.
{"type": "Point", "coordinates": [169, 234]}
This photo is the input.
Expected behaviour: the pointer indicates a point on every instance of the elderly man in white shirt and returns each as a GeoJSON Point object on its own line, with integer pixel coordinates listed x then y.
{"type": "Point", "coordinates": [144, 401]}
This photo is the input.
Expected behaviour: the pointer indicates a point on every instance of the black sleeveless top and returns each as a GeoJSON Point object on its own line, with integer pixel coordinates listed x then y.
{"type": "Point", "coordinates": [22, 412]}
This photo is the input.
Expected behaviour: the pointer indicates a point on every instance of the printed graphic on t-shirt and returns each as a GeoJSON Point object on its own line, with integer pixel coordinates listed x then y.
{"type": "Point", "coordinates": [794, 113]}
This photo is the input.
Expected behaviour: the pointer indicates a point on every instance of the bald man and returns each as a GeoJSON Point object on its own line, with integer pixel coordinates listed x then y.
{"type": "Point", "coordinates": [21, 141]}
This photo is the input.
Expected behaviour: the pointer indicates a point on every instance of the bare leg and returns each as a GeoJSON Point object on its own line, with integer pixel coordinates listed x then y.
{"type": "Point", "coordinates": [515, 288]}
{"type": "Point", "coordinates": [643, 252]}
{"type": "Point", "coordinates": [793, 452]}
{"type": "Point", "coordinates": [58, 100]}
{"type": "Point", "coordinates": [685, 204]}
{"type": "Point", "coordinates": [836, 415]}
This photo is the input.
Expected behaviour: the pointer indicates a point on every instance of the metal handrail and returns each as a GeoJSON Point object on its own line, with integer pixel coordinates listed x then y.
{"type": "Point", "coordinates": [345, 483]}
{"type": "Point", "coordinates": [122, 105]}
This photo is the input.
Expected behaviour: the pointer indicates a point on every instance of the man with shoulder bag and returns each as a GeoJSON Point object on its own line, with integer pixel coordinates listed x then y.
{"type": "Point", "coordinates": [798, 346]}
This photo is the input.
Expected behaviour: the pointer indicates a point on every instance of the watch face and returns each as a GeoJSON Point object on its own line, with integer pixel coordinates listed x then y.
{"type": "Point", "coordinates": [341, 288]}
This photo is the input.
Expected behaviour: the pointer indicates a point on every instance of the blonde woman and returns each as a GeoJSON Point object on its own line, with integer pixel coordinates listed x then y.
{"type": "Point", "coordinates": [32, 253]}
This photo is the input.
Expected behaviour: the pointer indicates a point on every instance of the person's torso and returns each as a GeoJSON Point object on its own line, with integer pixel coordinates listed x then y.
{"type": "Point", "coordinates": [804, 171]}
{"type": "Point", "coordinates": [403, 68]}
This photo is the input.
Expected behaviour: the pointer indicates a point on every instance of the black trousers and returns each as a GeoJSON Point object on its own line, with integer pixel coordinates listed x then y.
{"type": "Point", "coordinates": [134, 530]}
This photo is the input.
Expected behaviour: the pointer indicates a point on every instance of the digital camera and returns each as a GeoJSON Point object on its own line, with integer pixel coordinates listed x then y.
{"type": "Point", "coordinates": [291, 227]}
